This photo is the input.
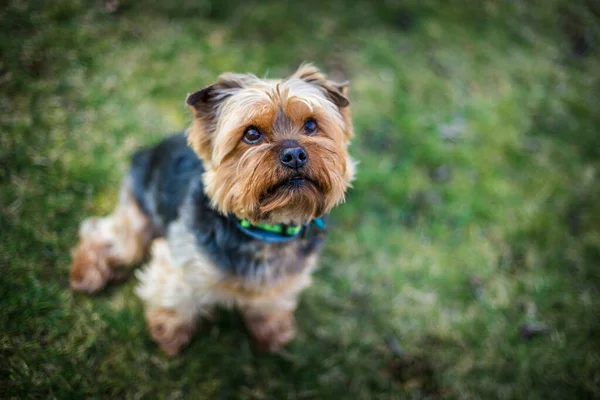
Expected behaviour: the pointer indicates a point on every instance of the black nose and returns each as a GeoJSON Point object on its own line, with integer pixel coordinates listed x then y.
{"type": "Point", "coordinates": [293, 157]}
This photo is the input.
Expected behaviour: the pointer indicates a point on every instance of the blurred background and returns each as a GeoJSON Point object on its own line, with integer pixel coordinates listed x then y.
{"type": "Point", "coordinates": [465, 264]}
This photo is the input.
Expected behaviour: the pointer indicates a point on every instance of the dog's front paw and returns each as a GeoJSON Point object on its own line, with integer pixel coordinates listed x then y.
{"type": "Point", "coordinates": [169, 330]}
{"type": "Point", "coordinates": [271, 331]}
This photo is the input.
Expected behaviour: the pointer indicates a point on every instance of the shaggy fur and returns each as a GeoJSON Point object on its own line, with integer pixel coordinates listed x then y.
{"type": "Point", "coordinates": [185, 202]}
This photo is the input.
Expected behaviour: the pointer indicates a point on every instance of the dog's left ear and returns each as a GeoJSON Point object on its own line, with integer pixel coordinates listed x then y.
{"type": "Point", "coordinates": [336, 92]}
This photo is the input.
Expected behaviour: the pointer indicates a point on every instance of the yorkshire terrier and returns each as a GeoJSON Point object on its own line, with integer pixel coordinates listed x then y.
{"type": "Point", "coordinates": [232, 210]}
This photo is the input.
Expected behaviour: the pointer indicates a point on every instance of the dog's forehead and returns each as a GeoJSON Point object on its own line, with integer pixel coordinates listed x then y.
{"type": "Point", "coordinates": [262, 100]}
{"type": "Point", "coordinates": [282, 90]}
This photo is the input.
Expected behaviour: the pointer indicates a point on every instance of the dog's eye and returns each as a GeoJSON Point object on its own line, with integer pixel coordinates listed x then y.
{"type": "Point", "coordinates": [310, 126]}
{"type": "Point", "coordinates": [252, 135]}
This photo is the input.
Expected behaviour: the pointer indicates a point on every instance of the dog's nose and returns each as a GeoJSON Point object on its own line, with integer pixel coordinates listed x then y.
{"type": "Point", "coordinates": [293, 157]}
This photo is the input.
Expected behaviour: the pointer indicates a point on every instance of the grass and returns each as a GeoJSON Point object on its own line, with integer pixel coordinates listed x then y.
{"type": "Point", "coordinates": [464, 265]}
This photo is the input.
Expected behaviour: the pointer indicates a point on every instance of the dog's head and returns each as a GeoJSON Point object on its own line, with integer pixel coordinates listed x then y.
{"type": "Point", "coordinates": [274, 150]}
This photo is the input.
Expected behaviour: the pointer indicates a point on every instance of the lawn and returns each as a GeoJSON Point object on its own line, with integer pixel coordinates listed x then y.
{"type": "Point", "coordinates": [465, 263]}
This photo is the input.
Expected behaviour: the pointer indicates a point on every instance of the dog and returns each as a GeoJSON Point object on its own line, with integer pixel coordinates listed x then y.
{"type": "Point", "coordinates": [232, 211]}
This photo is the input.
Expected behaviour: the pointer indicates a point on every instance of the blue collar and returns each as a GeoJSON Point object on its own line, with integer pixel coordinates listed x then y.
{"type": "Point", "coordinates": [277, 233]}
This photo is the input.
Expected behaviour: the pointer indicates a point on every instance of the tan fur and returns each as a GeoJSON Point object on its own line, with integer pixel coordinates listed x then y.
{"type": "Point", "coordinates": [107, 245]}
{"type": "Point", "coordinates": [180, 284]}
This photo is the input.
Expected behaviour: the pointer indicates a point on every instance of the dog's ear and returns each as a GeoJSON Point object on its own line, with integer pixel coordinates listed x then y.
{"type": "Point", "coordinates": [204, 104]}
{"type": "Point", "coordinates": [336, 92]}
{"type": "Point", "coordinates": [205, 101]}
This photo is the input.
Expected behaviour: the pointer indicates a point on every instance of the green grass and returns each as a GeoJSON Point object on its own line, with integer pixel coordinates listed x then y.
{"type": "Point", "coordinates": [475, 213]}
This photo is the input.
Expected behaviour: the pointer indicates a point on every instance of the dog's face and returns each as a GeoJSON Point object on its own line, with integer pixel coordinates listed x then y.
{"type": "Point", "coordinates": [274, 150]}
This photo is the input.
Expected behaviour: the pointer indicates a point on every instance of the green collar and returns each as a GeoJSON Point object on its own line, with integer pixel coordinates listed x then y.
{"type": "Point", "coordinates": [276, 233]}
{"type": "Point", "coordinates": [281, 229]}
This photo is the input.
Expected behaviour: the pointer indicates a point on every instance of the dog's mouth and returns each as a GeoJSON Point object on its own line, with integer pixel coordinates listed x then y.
{"type": "Point", "coordinates": [292, 188]}
{"type": "Point", "coordinates": [295, 198]}
{"type": "Point", "coordinates": [296, 182]}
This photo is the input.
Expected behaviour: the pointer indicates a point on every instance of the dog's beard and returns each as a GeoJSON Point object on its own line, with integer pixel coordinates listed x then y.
{"type": "Point", "coordinates": [274, 193]}
{"type": "Point", "coordinates": [295, 200]}
{"type": "Point", "coordinates": [254, 185]}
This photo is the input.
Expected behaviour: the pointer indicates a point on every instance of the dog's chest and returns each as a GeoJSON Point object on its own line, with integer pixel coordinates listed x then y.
{"type": "Point", "coordinates": [213, 248]}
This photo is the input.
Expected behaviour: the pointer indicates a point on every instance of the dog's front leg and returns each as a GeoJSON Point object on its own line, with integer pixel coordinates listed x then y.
{"type": "Point", "coordinates": [271, 330]}
{"type": "Point", "coordinates": [270, 317]}
{"type": "Point", "coordinates": [172, 306]}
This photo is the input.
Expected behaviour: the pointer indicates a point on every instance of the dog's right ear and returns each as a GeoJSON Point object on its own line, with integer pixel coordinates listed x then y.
{"type": "Point", "coordinates": [205, 104]}
{"type": "Point", "coordinates": [199, 98]}
{"type": "Point", "coordinates": [205, 101]}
